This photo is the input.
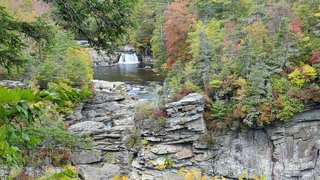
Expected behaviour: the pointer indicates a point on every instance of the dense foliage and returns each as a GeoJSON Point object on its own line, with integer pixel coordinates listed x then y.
{"type": "Point", "coordinates": [38, 47]}
{"type": "Point", "coordinates": [100, 22]}
{"type": "Point", "coordinates": [22, 117]}
{"type": "Point", "coordinates": [255, 61]}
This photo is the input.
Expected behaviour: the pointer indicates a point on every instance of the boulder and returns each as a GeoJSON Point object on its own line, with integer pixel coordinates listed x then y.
{"type": "Point", "coordinates": [87, 127]}
{"type": "Point", "coordinates": [98, 172]}
{"type": "Point", "coordinates": [13, 84]}
{"type": "Point", "coordinates": [86, 157]}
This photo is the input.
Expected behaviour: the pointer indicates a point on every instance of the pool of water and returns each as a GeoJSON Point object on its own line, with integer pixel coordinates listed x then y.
{"type": "Point", "coordinates": [131, 73]}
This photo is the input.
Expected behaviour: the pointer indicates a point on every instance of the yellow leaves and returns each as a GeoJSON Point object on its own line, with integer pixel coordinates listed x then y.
{"type": "Point", "coordinates": [242, 84]}
{"type": "Point", "coordinates": [263, 177]}
{"type": "Point", "coordinates": [181, 170]}
{"type": "Point", "coordinates": [79, 61]}
{"type": "Point", "coordinates": [214, 32]}
{"type": "Point", "coordinates": [296, 77]}
{"type": "Point", "coordinates": [194, 40]}
{"type": "Point", "coordinates": [306, 39]}
{"type": "Point", "coordinates": [309, 72]}
{"type": "Point", "coordinates": [222, 1]}
{"type": "Point", "coordinates": [224, 59]}
{"type": "Point", "coordinates": [318, 13]}
{"type": "Point", "coordinates": [48, 169]}
{"type": "Point", "coordinates": [305, 74]}
{"type": "Point", "coordinates": [218, 178]}
{"type": "Point", "coordinates": [195, 173]}
{"type": "Point", "coordinates": [119, 177]}
{"type": "Point", "coordinates": [70, 167]}
{"type": "Point", "coordinates": [258, 32]}
{"type": "Point", "coordinates": [215, 83]}
{"type": "Point", "coordinates": [164, 66]}
{"type": "Point", "coordinates": [192, 174]}
{"type": "Point", "coordinates": [161, 166]}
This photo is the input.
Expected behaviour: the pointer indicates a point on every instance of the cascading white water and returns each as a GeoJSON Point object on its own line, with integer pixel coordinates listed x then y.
{"type": "Point", "coordinates": [127, 58]}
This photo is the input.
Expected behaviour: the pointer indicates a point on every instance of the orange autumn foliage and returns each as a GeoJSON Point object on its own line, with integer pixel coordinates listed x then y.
{"type": "Point", "coordinates": [178, 23]}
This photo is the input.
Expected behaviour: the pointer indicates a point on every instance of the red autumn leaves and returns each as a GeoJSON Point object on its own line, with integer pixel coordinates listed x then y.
{"type": "Point", "coordinates": [178, 23]}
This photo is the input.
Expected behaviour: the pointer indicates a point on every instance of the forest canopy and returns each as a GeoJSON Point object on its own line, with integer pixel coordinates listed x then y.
{"type": "Point", "coordinates": [255, 61]}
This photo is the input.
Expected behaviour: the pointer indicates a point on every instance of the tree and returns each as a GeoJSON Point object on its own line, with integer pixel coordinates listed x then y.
{"type": "Point", "coordinates": [178, 23]}
{"type": "Point", "coordinates": [102, 23]}
{"type": "Point", "coordinates": [11, 42]}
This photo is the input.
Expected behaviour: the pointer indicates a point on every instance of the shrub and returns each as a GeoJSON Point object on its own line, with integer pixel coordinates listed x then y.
{"type": "Point", "coordinates": [143, 111]}
{"type": "Point", "coordinates": [22, 132]}
{"type": "Point", "coordinates": [159, 113]}
{"type": "Point", "coordinates": [133, 140]}
{"type": "Point", "coordinates": [67, 174]}
{"type": "Point", "coordinates": [302, 75]}
{"type": "Point", "coordinates": [66, 63]}
{"type": "Point", "coordinates": [288, 107]}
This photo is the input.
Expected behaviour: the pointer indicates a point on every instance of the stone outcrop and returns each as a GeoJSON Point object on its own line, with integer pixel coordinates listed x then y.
{"type": "Point", "coordinates": [13, 84]}
{"type": "Point", "coordinates": [175, 141]}
{"type": "Point", "coordinates": [103, 59]}
{"type": "Point", "coordinates": [106, 118]}
{"type": "Point", "coordinates": [284, 151]}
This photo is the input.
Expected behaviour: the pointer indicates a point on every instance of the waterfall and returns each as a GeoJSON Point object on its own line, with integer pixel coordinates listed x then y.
{"type": "Point", "coordinates": [127, 58]}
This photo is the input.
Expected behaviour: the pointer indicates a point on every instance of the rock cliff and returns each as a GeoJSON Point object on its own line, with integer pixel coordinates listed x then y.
{"type": "Point", "coordinates": [281, 152]}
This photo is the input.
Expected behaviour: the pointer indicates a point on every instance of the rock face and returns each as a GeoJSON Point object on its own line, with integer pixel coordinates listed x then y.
{"type": "Point", "coordinates": [13, 84]}
{"type": "Point", "coordinates": [106, 118]}
{"type": "Point", "coordinates": [103, 59]}
{"type": "Point", "coordinates": [284, 151]}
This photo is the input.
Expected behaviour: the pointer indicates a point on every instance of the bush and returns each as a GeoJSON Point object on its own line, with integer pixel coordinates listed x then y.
{"type": "Point", "coordinates": [144, 111]}
{"type": "Point", "coordinates": [21, 129]}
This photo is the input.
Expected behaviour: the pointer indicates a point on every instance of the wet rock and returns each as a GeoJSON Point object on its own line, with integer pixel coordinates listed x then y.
{"type": "Point", "coordinates": [102, 58]}
{"type": "Point", "coordinates": [99, 85]}
{"type": "Point", "coordinates": [127, 48]}
{"type": "Point", "coordinates": [148, 67]}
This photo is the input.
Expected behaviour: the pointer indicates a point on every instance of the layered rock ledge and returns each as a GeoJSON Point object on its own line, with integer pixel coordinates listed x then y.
{"type": "Point", "coordinates": [284, 151]}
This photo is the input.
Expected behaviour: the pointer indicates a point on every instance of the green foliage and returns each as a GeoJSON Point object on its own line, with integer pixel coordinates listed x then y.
{"type": "Point", "coordinates": [257, 61]}
{"type": "Point", "coordinates": [97, 21]}
{"type": "Point", "coordinates": [168, 162]}
{"type": "Point", "coordinates": [158, 45]}
{"type": "Point", "coordinates": [306, 74]}
{"type": "Point", "coordinates": [144, 111]}
{"type": "Point", "coordinates": [12, 41]}
{"type": "Point", "coordinates": [218, 109]}
{"type": "Point", "coordinates": [65, 64]}
{"type": "Point", "coordinates": [66, 174]}
{"type": "Point", "coordinates": [20, 111]}
{"type": "Point", "coordinates": [140, 35]}
{"type": "Point", "coordinates": [133, 140]}
{"type": "Point", "coordinates": [289, 107]}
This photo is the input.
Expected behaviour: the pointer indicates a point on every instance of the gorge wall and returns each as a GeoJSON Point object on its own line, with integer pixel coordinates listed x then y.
{"type": "Point", "coordinates": [142, 150]}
